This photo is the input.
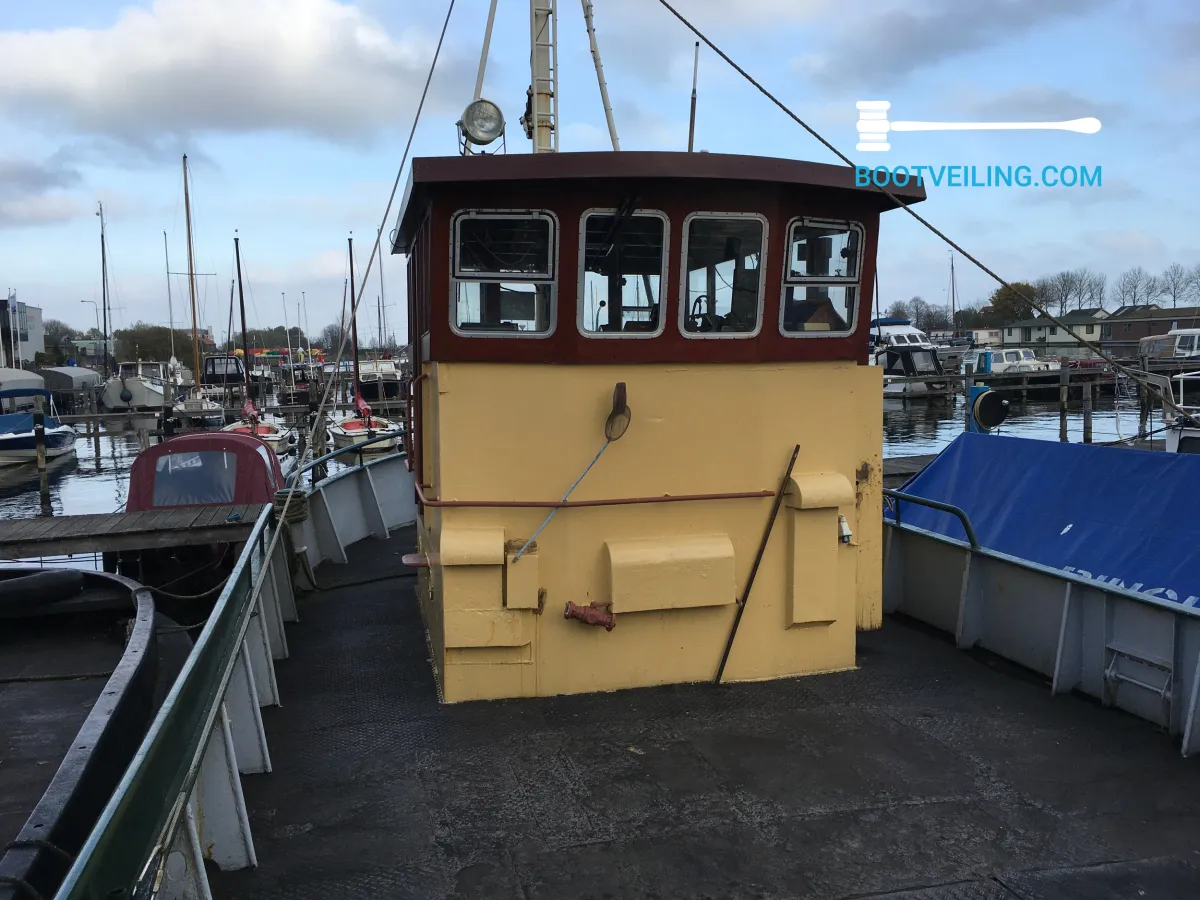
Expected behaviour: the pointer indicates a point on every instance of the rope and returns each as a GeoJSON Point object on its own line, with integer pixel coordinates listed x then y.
{"type": "Point", "coordinates": [73, 676]}
{"type": "Point", "coordinates": [176, 629]}
{"type": "Point", "coordinates": [40, 844]}
{"type": "Point", "coordinates": [215, 589]}
{"type": "Point", "coordinates": [285, 512]}
{"type": "Point", "coordinates": [1121, 367]}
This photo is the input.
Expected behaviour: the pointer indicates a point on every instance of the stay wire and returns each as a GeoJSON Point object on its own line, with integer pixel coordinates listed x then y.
{"type": "Point", "coordinates": [262, 576]}
{"type": "Point", "coordinates": [1132, 373]}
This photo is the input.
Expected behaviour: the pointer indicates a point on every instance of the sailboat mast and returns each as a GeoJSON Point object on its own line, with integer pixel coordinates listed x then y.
{"type": "Point", "coordinates": [287, 336]}
{"type": "Point", "coordinates": [187, 211]}
{"type": "Point", "coordinates": [103, 287]}
{"type": "Point", "coordinates": [170, 305]}
{"type": "Point", "coordinates": [237, 255]}
{"type": "Point", "coordinates": [953, 316]}
{"type": "Point", "coordinates": [353, 317]}
{"type": "Point", "coordinates": [379, 299]}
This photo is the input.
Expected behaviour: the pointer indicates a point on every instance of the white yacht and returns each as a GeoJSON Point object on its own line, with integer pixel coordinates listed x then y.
{"type": "Point", "coordinates": [905, 352]}
{"type": "Point", "coordinates": [140, 386]}
{"type": "Point", "coordinates": [379, 380]}
{"type": "Point", "coordinates": [995, 361]}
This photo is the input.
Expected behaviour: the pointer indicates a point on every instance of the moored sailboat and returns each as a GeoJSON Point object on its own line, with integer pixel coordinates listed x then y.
{"type": "Point", "coordinates": [275, 436]}
{"type": "Point", "coordinates": [362, 425]}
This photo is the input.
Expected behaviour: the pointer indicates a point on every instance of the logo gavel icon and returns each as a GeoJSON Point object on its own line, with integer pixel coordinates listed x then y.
{"type": "Point", "coordinates": [874, 127]}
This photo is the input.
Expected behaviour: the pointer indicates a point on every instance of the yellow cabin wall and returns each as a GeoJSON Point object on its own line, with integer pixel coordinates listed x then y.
{"type": "Point", "coordinates": [522, 432]}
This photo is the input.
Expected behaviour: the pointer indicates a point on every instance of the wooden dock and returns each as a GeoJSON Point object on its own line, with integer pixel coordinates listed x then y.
{"type": "Point", "coordinates": [151, 529]}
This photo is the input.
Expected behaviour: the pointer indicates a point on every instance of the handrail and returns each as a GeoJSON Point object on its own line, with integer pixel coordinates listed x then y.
{"type": "Point", "coordinates": [938, 505]}
{"type": "Point", "coordinates": [149, 801]}
{"type": "Point", "coordinates": [291, 479]}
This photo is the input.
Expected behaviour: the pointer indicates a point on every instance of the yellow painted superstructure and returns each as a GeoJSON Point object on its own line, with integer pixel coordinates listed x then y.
{"type": "Point", "coordinates": [670, 572]}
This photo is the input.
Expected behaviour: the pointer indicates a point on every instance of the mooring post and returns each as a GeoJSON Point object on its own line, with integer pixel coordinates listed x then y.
{"type": "Point", "coordinates": [39, 441]}
{"type": "Point", "coordinates": [1064, 383]}
{"type": "Point", "coordinates": [1144, 401]}
{"type": "Point", "coordinates": [1087, 412]}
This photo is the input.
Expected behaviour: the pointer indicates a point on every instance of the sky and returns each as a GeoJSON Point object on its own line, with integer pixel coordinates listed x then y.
{"type": "Point", "coordinates": [294, 115]}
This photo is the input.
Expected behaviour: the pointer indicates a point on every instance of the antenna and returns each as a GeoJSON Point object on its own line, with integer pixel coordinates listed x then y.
{"type": "Point", "coordinates": [591, 30]}
{"type": "Point", "coordinates": [692, 119]}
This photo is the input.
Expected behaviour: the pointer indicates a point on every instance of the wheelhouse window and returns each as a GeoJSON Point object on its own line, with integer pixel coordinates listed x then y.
{"type": "Point", "coordinates": [623, 267]}
{"type": "Point", "coordinates": [723, 274]}
{"type": "Point", "coordinates": [821, 279]}
{"type": "Point", "coordinates": [504, 273]}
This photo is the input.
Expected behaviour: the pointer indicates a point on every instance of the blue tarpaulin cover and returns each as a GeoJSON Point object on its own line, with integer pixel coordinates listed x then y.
{"type": "Point", "coordinates": [1121, 516]}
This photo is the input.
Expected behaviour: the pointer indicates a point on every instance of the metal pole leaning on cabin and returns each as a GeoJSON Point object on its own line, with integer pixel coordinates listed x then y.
{"type": "Point", "coordinates": [692, 116]}
{"type": "Point", "coordinates": [1064, 383]}
{"type": "Point", "coordinates": [762, 548]}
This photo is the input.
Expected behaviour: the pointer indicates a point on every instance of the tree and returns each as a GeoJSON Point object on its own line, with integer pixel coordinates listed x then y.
{"type": "Point", "coordinates": [266, 338]}
{"type": "Point", "coordinates": [1176, 283]}
{"type": "Point", "coordinates": [899, 310]}
{"type": "Point", "coordinates": [1009, 305]}
{"type": "Point", "coordinates": [152, 342]}
{"type": "Point", "coordinates": [1135, 287]}
{"type": "Point", "coordinates": [330, 338]}
{"type": "Point", "coordinates": [1095, 289]}
{"type": "Point", "coordinates": [57, 332]}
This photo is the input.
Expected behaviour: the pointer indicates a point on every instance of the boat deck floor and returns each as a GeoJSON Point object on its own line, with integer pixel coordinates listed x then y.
{"type": "Point", "coordinates": [926, 774]}
{"type": "Point", "coordinates": [39, 718]}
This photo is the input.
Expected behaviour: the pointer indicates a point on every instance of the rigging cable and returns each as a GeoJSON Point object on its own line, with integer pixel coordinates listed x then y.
{"type": "Point", "coordinates": [1133, 373]}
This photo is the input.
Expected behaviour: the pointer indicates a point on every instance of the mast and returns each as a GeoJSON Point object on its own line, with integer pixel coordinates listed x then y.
{"type": "Point", "coordinates": [541, 116]}
{"type": "Point", "coordinates": [608, 114]}
{"type": "Point", "coordinates": [953, 317]}
{"type": "Point", "coordinates": [287, 336]}
{"type": "Point", "coordinates": [237, 255]}
{"type": "Point", "coordinates": [187, 211]}
{"type": "Point", "coordinates": [307, 333]}
{"type": "Point", "coordinates": [692, 117]}
{"type": "Point", "coordinates": [103, 287]}
{"type": "Point", "coordinates": [170, 305]}
{"type": "Point", "coordinates": [353, 318]}
{"type": "Point", "coordinates": [379, 256]}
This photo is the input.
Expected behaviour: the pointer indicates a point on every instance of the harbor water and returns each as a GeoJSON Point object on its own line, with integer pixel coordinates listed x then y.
{"type": "Point", "coordinates": [96, 479]}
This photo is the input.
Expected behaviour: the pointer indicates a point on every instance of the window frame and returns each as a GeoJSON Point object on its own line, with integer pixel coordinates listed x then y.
{"type": "Point", "coordinates": [821, 280]}
{"type": "Point", "coordinates": [663, 284]}
{"type": "Point", "coordinates": [552, 278]}
{"type": "Point", "coordinates": [684, 301]}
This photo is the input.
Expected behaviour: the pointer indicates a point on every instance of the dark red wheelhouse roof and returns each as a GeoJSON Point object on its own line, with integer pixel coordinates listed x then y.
{"type": "Point", "coordinates": [673, 185]}
{"type": "Point", "coordinates": [255, 477]}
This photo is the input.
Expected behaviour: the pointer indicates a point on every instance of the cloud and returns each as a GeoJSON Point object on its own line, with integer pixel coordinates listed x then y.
{"type": "Point", "coordinates": [318, 67]}
{"type": "Point", "coordinates": [1113, 190]}
{"type": "Point", "coordinates": [30, 193]}
{"type": "Point", "coordinates": [887, 46]}
{"type": "Point", "coordinates": [1182, 69]}
{"type": "Point", "coordinates": [1039, 102]}
{"type": "Point", "coordinates": [640, 35]}
{"type": "Point", "coordinates": [1130, 244]}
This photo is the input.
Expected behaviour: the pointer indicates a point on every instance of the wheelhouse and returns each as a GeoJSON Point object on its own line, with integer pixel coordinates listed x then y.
{"type": "Point", "coordinates": [725, 298]}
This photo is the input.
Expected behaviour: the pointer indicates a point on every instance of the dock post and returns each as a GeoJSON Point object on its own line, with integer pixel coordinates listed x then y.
{"type": "Point", "coordinates": [1143, 401]}
{"type": "Point", "coordinates": [1064, 382]}
{"type": "Point", "coordinates": [1087, 412]}
{"type": "Point", "coordinates": [39, 441]}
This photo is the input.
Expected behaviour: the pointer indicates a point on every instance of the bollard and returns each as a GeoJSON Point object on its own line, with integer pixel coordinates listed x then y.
{"type": "Point", "coordinates": [39, 441]}
{"type": "Point", "coordinates": [1064, 382]}
{"type": "Point", "coordinates": [1087, 412]}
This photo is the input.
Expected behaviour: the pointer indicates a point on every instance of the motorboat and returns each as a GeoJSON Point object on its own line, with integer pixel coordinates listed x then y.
{"type": "Point", "coordinates": [363, 425]}
{"type": "Point", "coordinates": [18, 441]}
{"type": "Point", "coordinates": [281, 440]}
{"type": "Point", "coordinates": [905, 352]}
{"type": "Point", "coordinates": [201, 412]}
{"type": "Point", "coordinates": [989, 361]}
{"type": "Point", "coordinates": [140, 386]}
{"type": "Point", "coordinates": [379, 380]}
{"type": "Point", "coordinates": [193, 471]}
{"type": "Point", "coordinates": [1182, 436]}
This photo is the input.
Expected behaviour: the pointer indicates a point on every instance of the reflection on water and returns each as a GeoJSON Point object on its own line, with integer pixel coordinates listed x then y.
{"type": "Point", "coordinates": [921, 427]}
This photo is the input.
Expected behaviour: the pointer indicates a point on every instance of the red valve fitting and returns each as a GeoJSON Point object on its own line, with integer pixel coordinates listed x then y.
{"type": "Point", "coordinates": [599, 612]}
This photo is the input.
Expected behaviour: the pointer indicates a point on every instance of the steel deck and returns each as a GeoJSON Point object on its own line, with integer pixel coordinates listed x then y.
{"type": "Point", "coordinates": [927, 774]}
